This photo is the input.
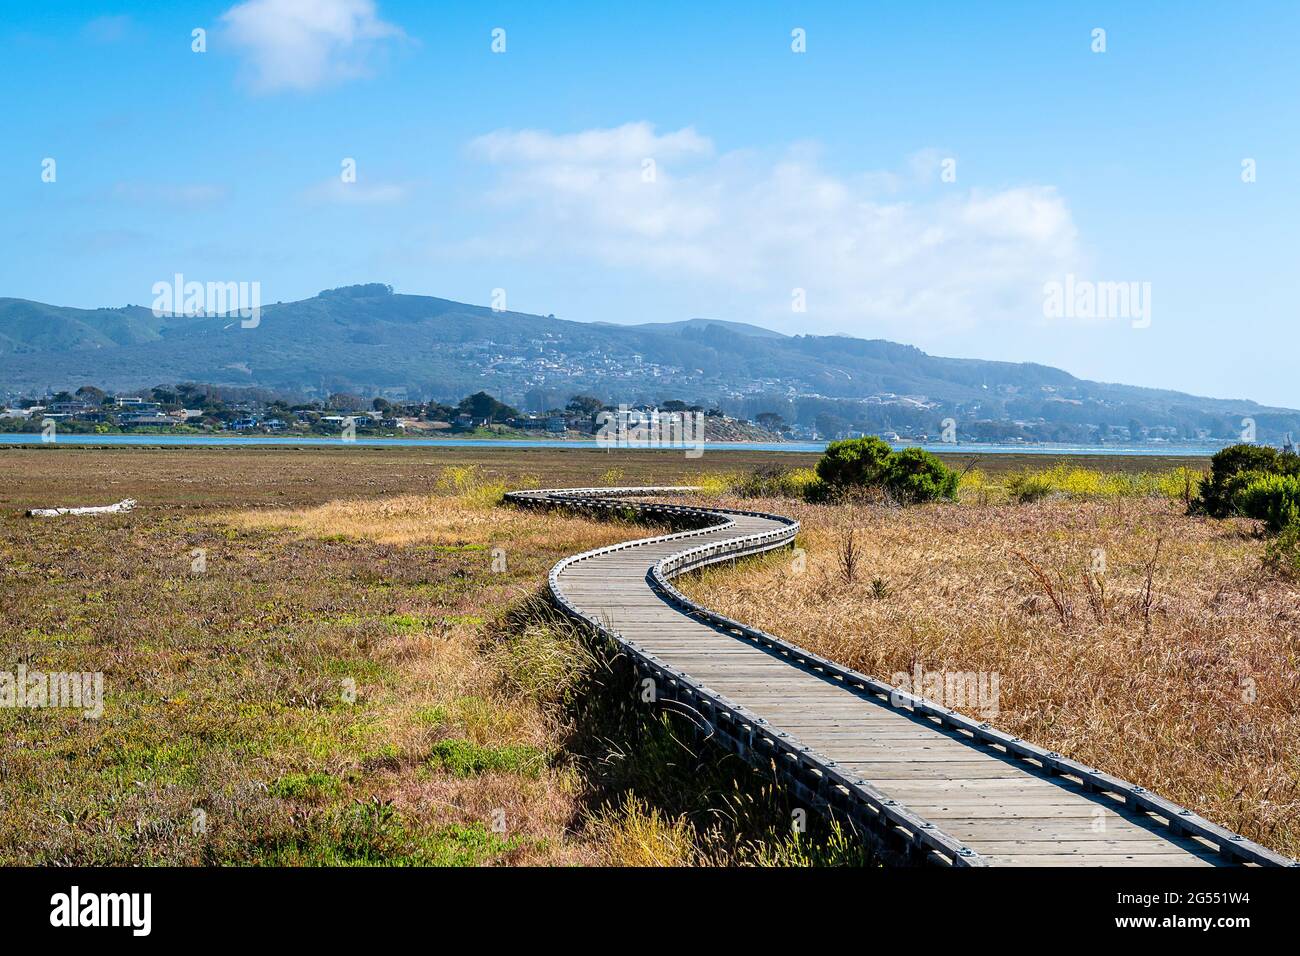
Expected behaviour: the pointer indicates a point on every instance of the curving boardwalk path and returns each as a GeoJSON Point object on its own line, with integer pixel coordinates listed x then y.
{"type": "Point", "coordinates": [921, 782]}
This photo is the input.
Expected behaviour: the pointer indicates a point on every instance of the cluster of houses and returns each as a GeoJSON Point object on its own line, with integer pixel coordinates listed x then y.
{"type": "Point", "coordinates": [93, 409]}
{"type": "Point", "coordinates": [130, 413]}
{"type": "Point", "coordinates": [125, 412]}
{"type": "Point", "coordinates": [553, 424]}
{"type": "Point", "coordinates": [304, 419]}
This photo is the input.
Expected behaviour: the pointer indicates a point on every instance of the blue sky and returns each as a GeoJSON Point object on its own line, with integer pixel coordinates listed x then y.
{"type": "Point", "coordinates": [773, 171]}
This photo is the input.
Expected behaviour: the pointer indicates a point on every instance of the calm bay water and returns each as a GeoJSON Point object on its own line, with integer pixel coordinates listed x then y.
{"type": "Point", "coordinates": [1154, 451]}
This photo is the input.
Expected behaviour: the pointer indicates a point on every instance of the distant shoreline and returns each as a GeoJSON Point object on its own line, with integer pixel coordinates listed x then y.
{"type": "Point", "coordinates": [25, 440]}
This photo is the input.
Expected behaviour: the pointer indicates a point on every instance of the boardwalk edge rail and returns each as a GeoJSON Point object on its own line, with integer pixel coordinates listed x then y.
{"type": "Point", "coordinates": [816, 778]}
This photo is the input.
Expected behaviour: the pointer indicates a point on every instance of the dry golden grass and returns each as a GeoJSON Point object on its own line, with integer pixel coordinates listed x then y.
{"type": "Point", "coordinates": [637, 834]}
{"type": "Point", "coordinates": [1190, 692]}
{"type": "Point", "coordinates": [448, 522]}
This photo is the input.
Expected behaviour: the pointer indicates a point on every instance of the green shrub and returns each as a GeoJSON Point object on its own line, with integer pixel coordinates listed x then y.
{"type": "Point", "coordinates": [914, 475]}
{"type": "Point", "coordinates": [1027, 487]}
{"type": "Point", "coordinates": [1231, 469]}
{"type": "Point", "coordinates": [909, 476]}
{"type": "Point", "coordinates": [1272, 498]}
{"type": "Point", "coordinates": [854, 462]}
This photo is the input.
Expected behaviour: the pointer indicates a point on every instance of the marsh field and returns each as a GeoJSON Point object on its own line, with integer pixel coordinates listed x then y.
{"type": "Point", "coordinates": [340, 656]}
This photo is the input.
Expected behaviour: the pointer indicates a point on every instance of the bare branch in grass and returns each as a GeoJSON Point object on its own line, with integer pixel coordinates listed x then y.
{"type": "Point", "coordinates": [1146, 596]}
{"type": "Point", "coordinates": [849, 556]}
{"type": "Point", "coordinates": [1059, 600]}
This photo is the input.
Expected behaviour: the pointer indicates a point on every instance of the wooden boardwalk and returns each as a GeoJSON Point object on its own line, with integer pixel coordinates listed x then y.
{"type": "Point", "coordinates": [922, 783]}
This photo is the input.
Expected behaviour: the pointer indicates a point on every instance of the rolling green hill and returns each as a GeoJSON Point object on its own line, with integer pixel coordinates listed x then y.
{"type": "Point", "coordinates": [368, 340]}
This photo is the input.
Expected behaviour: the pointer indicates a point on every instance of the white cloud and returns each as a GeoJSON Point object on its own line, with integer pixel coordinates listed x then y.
{"type": "Point", "coordinates": [878, 252]}
{"type": "Point", "coordinates": [305, 44]}
{"type": "Point", "coordinates": [336, 191]}
{"type": "Point", "coordinates": [627, 143]}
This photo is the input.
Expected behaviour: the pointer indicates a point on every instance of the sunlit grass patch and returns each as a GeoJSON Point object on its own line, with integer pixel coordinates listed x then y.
{"type": "Point", "coordinates": [467, 483]}
{"type": "Point", "coordinates": [464, 758]}
{"type": "Point", "coordinates": [373, 833]}
{"type": "Point", "coordinates": [404, 623]}
{"type": "Point", "coordinates": [306, 786]}
{"type": "Point", "coordinates": [773, 481]}
{"type": "Point", "coordinates": [1025, 486]}
{"type": "Point", "coordinates": [482, 720]}
{"type": "Point", "coordinates": [638, 834]}
{"type": "Point", "coordinates": [435, 716]}
{"type": "Point", "coordinates": [455, 526]}
{"type": "Point", "coordinates": [713, 483]}
{"type": "Point", "coordinates": [634, 832]}
{"type": "Point", "coordinates": [541, 656]}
